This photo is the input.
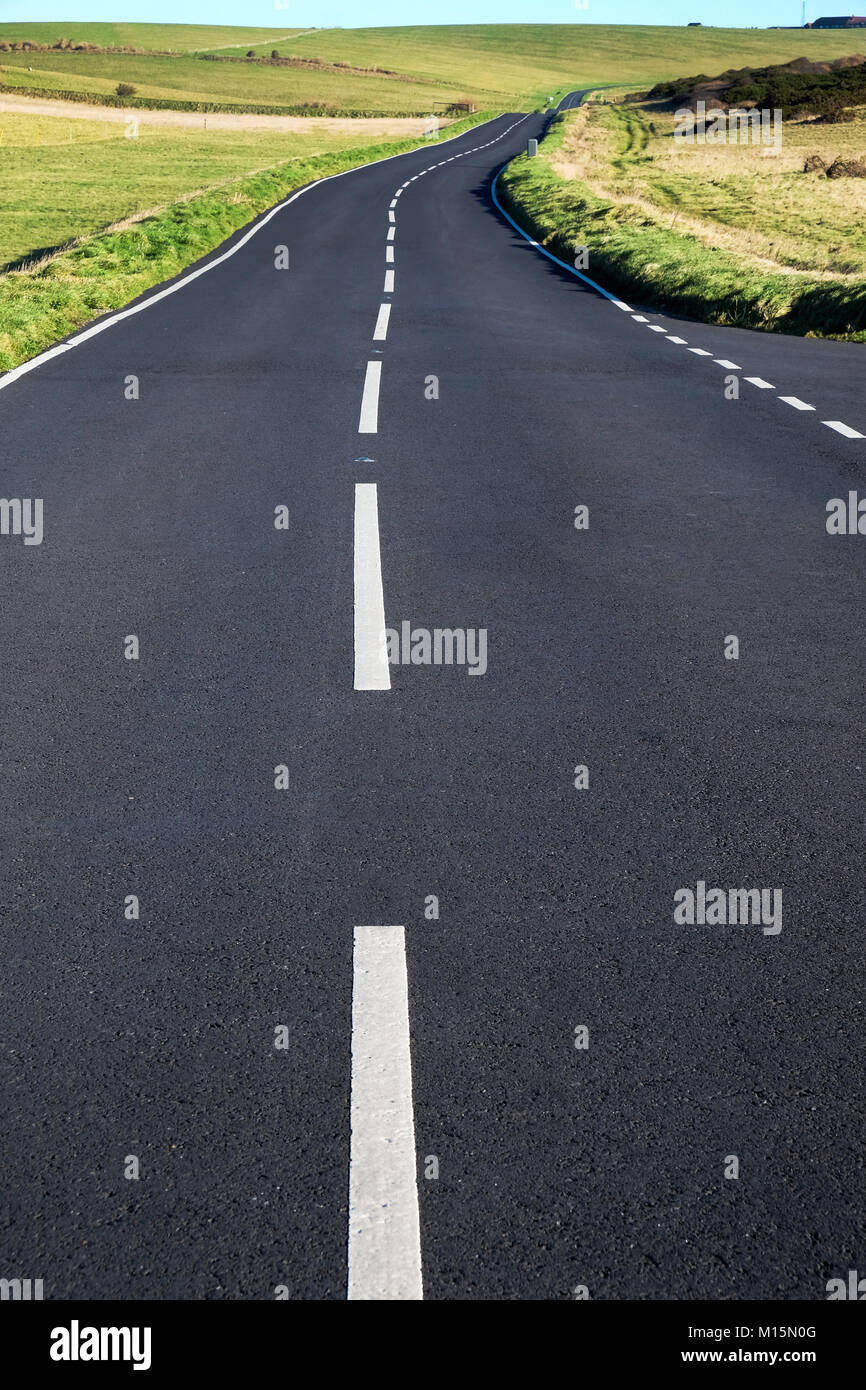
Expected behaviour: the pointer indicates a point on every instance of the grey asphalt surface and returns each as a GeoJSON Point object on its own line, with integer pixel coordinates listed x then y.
{"type": "Point", "coordinates": [558, 1167]}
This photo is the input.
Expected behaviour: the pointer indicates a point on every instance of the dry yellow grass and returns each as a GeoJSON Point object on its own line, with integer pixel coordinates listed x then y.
{"type": "Point", "coordinates": [746, 199]}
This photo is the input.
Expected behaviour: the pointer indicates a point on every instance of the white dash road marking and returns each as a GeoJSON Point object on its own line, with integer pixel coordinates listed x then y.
{"type": "Point", "coordinates": [372, 671]}
{"type": "Point", "coordinates": [640, 318]}
{"type": "Point", "coordinates": [389, 282]}
{"type": "Point", "coordinates": [392, 217]}
{"type": "Point", "coordinates": [380, 332]}
{"type": "Point", "coordinates": [723, 362]}
{"type": "Point", "coordinates": [384, 1228]}
{"type": "Point", "coordinates": [700, 352]}
{"type": "Point", "coordinates": [796, 403]}
{"type": "Point", "coordinates": [841, 428]}
{"type": "Point", "coordinates": [619, 304]}
{"type": "Point", "coordinates": [391, 231]}
{"type": "Point", "coordinates": [389, 253]}
{"type": "Point", "coordinates": [393, 203]}
{"type": "Point", "coordinates": [673, 339]}
{"type": "Point", "coordinates": [760, 383]}
{"type": "Point", "coordinates": [657, 328]}
{"type": "Point", "coordinates": [369, 421]}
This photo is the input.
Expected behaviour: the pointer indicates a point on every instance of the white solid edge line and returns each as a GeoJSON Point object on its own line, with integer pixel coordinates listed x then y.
{"type": "Point", "coordinates": [372, 671]}
{"type": "Point", "coordinates": [842, 428]}
{"type": "Point", "coordinates": [369, 421]}
{"type": "Point", "coordinates": [389, 282]}
{"type": "Point", "coordinates": [543, 250]}
{"type": "Point", "coordinates": [28, 366]}
{"type": "Point", "coordinates": [796, 403]}
{"type": "Point", "coordinates": [262, 221]}
{"type": "Point", "coordinates": [760, 383]}
{"type": "Point", "coordinates": [384, 1248]}
{"type": "Point", "coordinates": [380, 332]}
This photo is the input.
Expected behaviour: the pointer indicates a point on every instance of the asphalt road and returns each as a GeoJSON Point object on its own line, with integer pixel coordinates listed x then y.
{"type": "Point", "coordinates": [559, 1167]}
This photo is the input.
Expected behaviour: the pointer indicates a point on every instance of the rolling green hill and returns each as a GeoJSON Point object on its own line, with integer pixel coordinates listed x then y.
{"type": "Point", "coordinates": [508, 66]}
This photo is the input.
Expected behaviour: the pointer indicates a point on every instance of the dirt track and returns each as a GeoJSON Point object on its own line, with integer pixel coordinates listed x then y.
{"type": "Point", "coordinates": [216, 120]}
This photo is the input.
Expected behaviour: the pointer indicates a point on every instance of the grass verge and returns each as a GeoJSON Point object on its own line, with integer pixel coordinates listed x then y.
{"type": "Point", "coordinates": [634, 254]}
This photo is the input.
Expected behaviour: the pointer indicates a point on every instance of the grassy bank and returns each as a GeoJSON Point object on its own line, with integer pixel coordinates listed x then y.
{"type": "Point", "coordinates": [105, 271]}
{"type": "Point", "coordinates": [722, 233]}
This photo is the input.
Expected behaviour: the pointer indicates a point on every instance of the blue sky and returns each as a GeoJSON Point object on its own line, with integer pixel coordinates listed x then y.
{"type": "Point", "coordinates": [355, 13]}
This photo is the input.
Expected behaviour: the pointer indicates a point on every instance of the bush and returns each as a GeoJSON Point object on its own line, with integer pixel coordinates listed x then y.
{"type": "Point", "coordinates": [847, 169]}
{"type": "Point", "coordinates": [125, 89]}
{"type": "Point", "coordinates": [815, 164]}
{"type": "Point", "coordinates": [844, 114]}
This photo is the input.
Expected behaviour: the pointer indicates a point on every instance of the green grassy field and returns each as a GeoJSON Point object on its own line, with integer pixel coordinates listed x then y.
{"type": "Point", "coordinates": [225, 83]}
{"type": "Point", "coordinates": [182, 38]}
{"type": "Point", "coordinates": [507, 66]}
{"type": "Point", "coordinates": [69, 178]}
{"type": "Point", "coordinates": [722, 232]}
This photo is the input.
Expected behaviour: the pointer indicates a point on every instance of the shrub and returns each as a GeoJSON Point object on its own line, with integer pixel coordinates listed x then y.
{"type": "Point", "coordinates": [847, 169]}
{"type": "Point", "coordinates": [125, 89]}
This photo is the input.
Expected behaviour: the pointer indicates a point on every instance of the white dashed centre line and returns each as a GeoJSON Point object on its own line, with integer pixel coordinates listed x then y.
{"type": "Point", "coordinates": [732, 366]}
{"type": "Point", "coordinates": [384, 1228]}
{"type": "Point", "coordinates": [673, 339]}
{"type": "Point", "coordinates": [796, 403]}
{"type": "Point", "coordinates": [372, 671]}
{"type": "Point", "coordinates": [391, 231]}
{"type": "Point", "coordinates": [392, 217]}
{"type": "Point", "coordinates": [369, 422]}
{"type": "Point", "coordinates": [841, 428]}
{"type": "Point", "coordinates": [389, 253]}
{"type": "Point", "coordinates": [380, 332]}
{"type": "Point", "coordinates": [761, 384]}
{"type": "Point", "coordinates": [389, 282]}
{"type": "Point", "coordinates": [700, 352]}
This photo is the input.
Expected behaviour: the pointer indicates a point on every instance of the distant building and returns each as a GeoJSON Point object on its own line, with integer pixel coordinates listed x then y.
{"type": "Point", "coordinates": [852, 21]}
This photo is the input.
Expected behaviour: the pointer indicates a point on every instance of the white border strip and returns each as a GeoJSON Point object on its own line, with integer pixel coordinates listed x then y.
{"type": "Point", "coordinates": [612, 298]}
